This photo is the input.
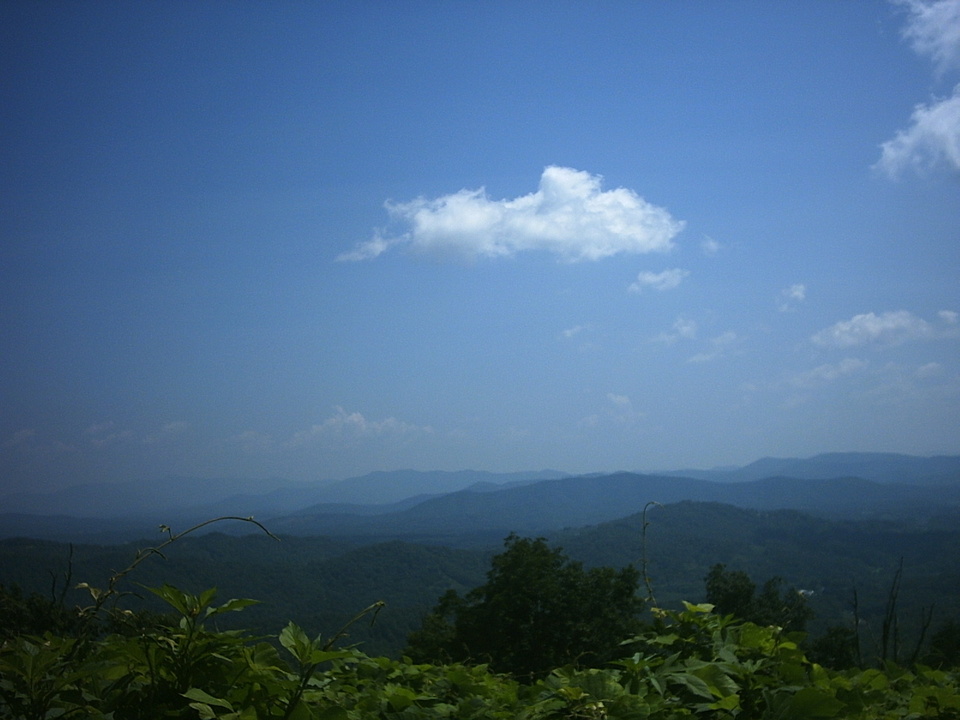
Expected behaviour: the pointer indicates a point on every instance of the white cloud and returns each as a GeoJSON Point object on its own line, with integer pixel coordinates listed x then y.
{"type": "Point", "coordinates": [949, 316]}
{"type": "Point", "coordinates": [19, 437]}
{"type": "Point", "coordinates": [103, 434]}
{"type": "Point", "coordinates": [889, 328]}
{"type": "Point", "coordinates": [719, 344]}
{"type": "Point", "coordinates": [683, 329]}
{"type": "Point", "coordinates": [167, 432]}
{"type": "Point", "coordinates": [828, 373]}
{"type": "Point", "coordinates": [932, 138]}
{"type": "Point", "coordinates": [354, 426]}
{"type": "Point", "coordinates": [369, 250]}
{"type": "Point", "coordinates": [932, 369]}
{"type": "Point", "coordinates": [666, 280]}
{"type": "Point", "coordinates": [709, 246]}
{"type": "Point", "coordinates": [569, 215]}
{"type": "Point", "coordinates": [933, 29]}
{"type": "Point", "coordinates": [793, 294]}
{"type": "Point", "coordinates": [574, 331]}
{"type": "Point", "coordinates": [622, 410]}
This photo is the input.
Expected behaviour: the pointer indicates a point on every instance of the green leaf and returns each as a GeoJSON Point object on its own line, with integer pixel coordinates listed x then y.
{"type": "Point", "coordinates": [232, 605]}
{"type": "Point", "coordinates": [204, 697]}
{"type": "Point", "coordinates": [332, 713]}
{"type": "Point", "coordinates": [693, 684]}
{"type": "Point", "coordinates": [173, 597]}
{"type": "Point", "coordinates": [719, 682]}
{"type": "Point", "coordinates": [295, 640]}
{"type": "Point", "coordinates": [812, 703]}
{"type": "Point", "coordinates": [730, 702]}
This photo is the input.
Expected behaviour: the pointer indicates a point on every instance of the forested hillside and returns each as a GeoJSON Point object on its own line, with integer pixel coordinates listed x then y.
{"type": "Point", "coordinates": [319, 582]}
{"type": "Point", "coordinates": [546, 640]}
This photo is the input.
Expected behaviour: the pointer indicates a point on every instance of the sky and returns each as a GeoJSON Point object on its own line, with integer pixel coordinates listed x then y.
{"type": "Point", "coordinates": [308, 241]}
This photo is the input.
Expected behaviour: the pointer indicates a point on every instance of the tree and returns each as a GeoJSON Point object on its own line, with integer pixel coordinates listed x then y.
{"type": "Point", "coordinates": [538, 610]}
{"type": "Point", "coordinates": [734, 593]}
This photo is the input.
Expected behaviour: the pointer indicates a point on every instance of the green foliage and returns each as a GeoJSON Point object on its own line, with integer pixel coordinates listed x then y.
{"type": "Point", "coordinates": [690, 663]}
{"type": "Point", "coordinates": [733, 593]}
{"type": "Point", "coordinates": [945, 645]}
{"type": "Point", "coordinates": [33, 614]}
{"type": "Point", "coordinates": [538, 609]}
{"type": "Point", "coordinates": [687, 663]}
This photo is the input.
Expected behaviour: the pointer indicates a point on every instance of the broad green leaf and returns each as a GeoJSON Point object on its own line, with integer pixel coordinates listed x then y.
{"type": "Point", "coordinates": [812, 703]}
{"type": "Point", "coordinates": [719, 682]}
{"type": "Point", "coordinates": [173, 597]}
{"type": "Point", "coordinates": [232, 605]}
{"type": "Point", "coordinates": [204, 697]}
{"type": "Point", "coordinates": [730, 702]}
{"type": "Point", "coordinates": [694, 684]}
{"type": "Point", "coordinates": [294, 639]}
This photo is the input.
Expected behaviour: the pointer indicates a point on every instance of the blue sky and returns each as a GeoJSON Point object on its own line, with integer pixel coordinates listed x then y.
{"type": "Point", "coordinates": [311, 240]}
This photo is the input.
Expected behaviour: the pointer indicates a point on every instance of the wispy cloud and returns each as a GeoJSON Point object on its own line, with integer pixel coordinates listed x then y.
{"type": "Point", "coordinates": [354, 426]}
{"type": "Point", "coordinates": [569, 215]}
{"type": "Point", "coordinates": [889, 328]}
{"type": "Point", "coordinates": [20, 437]}
{"type": "Point", "coordinates": [682, 329]}
{"type": "Point", "coordinates": [828, 372]}
{"type": "Point", "coordinates": [666, 280]}
{"type": "Point", "coordinates": [103, 434]}
{"type": "Point", "coordinates": [790, 296]}
{"type": "Point", "coordinates": [929, 370]}
{"type": "Point", "coordinates": [709, 246]}
{"type": "Point", "coordinates": [933, 136]}
{"type": "Point", "coordinates": [167, 432]}
{"type": "Point", "coordinates": [719, 346]}
{"type": "Point", "coordinates": [621, 409]}
{"type": "Point", "coordinates": [573, 331]}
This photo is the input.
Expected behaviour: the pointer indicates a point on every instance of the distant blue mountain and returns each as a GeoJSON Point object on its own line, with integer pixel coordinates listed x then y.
{"type": "Point", "coordinates": [586, 500]}
{"type": "Point", "coordinates": [262, 498]}
{"type": "Point", "coordinates": [411, 504]}
{"type": "Point", "coordinates": [887, 468]}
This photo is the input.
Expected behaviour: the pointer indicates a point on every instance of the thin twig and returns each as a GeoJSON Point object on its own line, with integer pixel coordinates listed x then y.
{"type": "Point", "coordinates": [651, 600]}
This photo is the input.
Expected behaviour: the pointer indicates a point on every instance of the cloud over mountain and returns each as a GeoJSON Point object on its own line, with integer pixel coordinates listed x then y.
{"type": "Point", "coordinates": [350, 426]}
{"type": "Point", "coordinates": [569, 215]}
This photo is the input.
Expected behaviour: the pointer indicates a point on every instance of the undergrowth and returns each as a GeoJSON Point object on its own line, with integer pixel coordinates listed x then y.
{"type": "Point", "coordinates": [688, 663]}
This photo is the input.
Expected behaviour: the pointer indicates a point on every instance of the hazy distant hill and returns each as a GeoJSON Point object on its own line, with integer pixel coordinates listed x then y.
{"type": "Point", "coordinates": [571, 502]}
{"type": "Point", "coordinates": [887, 468]}
{"type": "Point", "coordinates": [467, 507]}
{"type": "Point", "coordinates": [391, 487]}
{"type": "Point", "coordinates": [263, 498]}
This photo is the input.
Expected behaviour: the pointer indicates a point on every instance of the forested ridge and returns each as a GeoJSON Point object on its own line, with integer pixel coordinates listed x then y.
{"type": "Point", "coordinates": [543, 637]}
{"type": "Point", "coordinates": [319, 582]}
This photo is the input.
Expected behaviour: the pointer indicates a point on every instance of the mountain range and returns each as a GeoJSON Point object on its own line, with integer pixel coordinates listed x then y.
{"type": "Point", "coordinates": [472, 506]}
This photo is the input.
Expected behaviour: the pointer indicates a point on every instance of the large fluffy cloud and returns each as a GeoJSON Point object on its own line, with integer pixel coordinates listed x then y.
{"type": "Point", "coordinates": [569, 215]}
{"type": "Point", "coordinates": [933, 29]}
{"type": "Point", "coordinates": [933, 136]}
